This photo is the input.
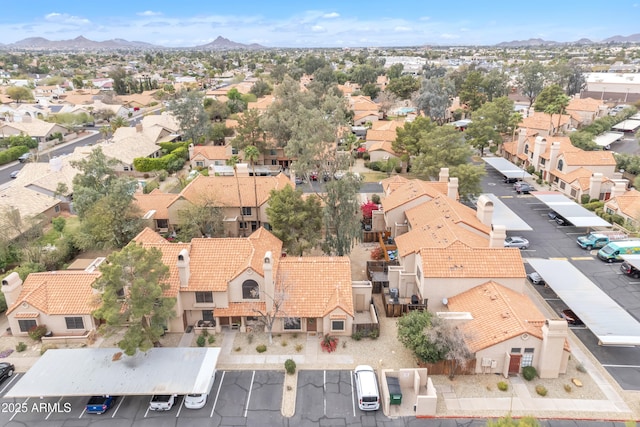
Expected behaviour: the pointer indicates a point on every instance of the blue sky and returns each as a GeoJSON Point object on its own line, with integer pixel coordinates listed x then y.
{"type": "Point", "coordinates": [299, 23]}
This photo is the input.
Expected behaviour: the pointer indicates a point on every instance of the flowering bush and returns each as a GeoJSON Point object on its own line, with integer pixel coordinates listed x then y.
{"type": "Point", "coordinates": [37, 332]}
{"type": "Point", "coordinates": [377, 253]}
{"type": "Point", "coordinates": [329, 343]}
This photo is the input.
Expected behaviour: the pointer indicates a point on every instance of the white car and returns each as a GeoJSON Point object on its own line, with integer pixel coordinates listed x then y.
{"type": "Point", "coordinates": [535, 278]}
{"type": "Point", "coordinates": [162, 402]}
{"type": "Point", "coordinates": [516, 242]}
{"type": "Point", "coordinates": [195, 401]}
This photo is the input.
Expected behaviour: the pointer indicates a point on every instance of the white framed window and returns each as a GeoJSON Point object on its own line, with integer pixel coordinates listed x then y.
{"type": "Point", "coordinates": [26, 324]}
{"type": "Point", "coordinates": [337, 325]}
{"type": "Point", "coordinates": [74, 322]}
{"type": "Point", "coordinates": [527, 357]}
{"type": "Point", "coordinates": [292, 324]}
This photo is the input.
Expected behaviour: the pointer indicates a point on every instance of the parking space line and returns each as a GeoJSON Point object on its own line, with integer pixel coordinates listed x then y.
{"type": "Point", "coordinates": [58, 405]}
{"type": "Point", "coordinates": [115, 411]}
{"type": "Point", "coordinates": [16, 413]}
{"type": "Point", "coordinates": [148, 406]}
{"type": "Point", "coordinates": [582, 258]}
{"type": "Point", "coordinates": [559, 258]}
{"type": "Point", "coordinates": [217, 395]}
{"type": "Point", "coordinates": [82, 413]}
{"type": "Point", "coordinates": [246, 409]}
{"type": "Point", "coordinates": [180, 408]}
{"type": "Point", "coordinates": [9, 383]}
{"type": "Point", "coordinates": [353, 396]}
{"type": "Point", "coordinates": [324, 392]}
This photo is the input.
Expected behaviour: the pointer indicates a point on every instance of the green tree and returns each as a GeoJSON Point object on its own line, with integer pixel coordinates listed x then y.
{"type": "Point", "coordinates": [188, 109]}
{"type": "Point", "coordinates": [530, 80]}
{"type": "Point", "coordinates": [19, 93]}
{"type": "Point", "coordinates": [249, 132]}
{"type": "Point", "coordinates": [132, 288]}
{"type": "Point", "coordinates": [363, 74]}
{"type": "Point", "coordinates": [370, 90]}
{"type": "Point", "coordinates": [481, 132]}
{"type": "Point", "coordinates": [471, 92]}
{"type": "Point", "coordinates": [435, 97]}
{"type": "Point", "coordinates": [94, 180]}
{"type": "Point", "coordinates": [547, 96]}
{"type": "Point", "coordinates": [451, 342]}
{"type": "Point", "coordinates": [295, 220]}
{"type": "Point", "coordinates": [403, 87]}
{"type": "Point", "coordinates": [260, 88]}
{"type": "Point", "coordinates": [408, 137]}
{"type": "Point", "coordinates": [251, 155]}
{"type": "Point", "coordinates": [341, 215]}
{"type": "Point", "coordinates": [200, 219]}
{"type": "Point", "coordinates": [118, 122]}
{"type": "Point", "coordinates": [495, 84]}
{"type": "Point", "coordinates": [411, 333]}
{"type": "Point", "coordinates": [395, 71]}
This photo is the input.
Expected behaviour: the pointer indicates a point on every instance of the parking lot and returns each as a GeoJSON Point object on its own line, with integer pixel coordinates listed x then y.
{"type": "Point", "coordinates": [550, 240]}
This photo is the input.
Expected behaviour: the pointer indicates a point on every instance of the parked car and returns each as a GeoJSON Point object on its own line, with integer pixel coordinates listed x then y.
{"type": "Point", "coordinates": [195, 401]}
{"type": "Point", "coordinates": [299, 180]}
{"type": "Point", "coordinates": [523, 188]}
{"type": "Point", "coordinates": [14, 174]}
{"type": "Point", "coordinates": [313, 176]}
{"type": "Point", "coordinates": [558, 218]}
{"type": "Point", "coordinates": [571, 318]}
{"type": "Point", "coordinates": [100, 404]}
{"type": "Point", "coordinates": [6, 370]}
{"type": "Point", "coordinates": [516, 242]}
{"type": "Point", "coordinates": [630, 270]}
{"type": "Point", "coordinates": [162, 402]}
{"type": "Point", "coordinates": [535, 278]}
{"type": "Point", "coordinates": [510, 180]}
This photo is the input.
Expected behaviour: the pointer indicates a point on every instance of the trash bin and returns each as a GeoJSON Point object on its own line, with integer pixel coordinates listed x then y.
{"type": "Point", "coordinates": [395, 394]}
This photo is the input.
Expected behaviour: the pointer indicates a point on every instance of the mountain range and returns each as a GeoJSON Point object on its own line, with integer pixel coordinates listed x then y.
{"type": "Point", "coordinates": [221, 43]}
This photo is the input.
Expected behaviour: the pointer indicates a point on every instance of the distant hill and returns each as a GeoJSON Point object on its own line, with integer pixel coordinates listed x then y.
{"type": "Point", "coordinates": [525, 43]}
{"type": "Point", "coordinates": [221, 43]}
{"type": "Point", "coordinates": [633, 38]}
{"type": "Point", "coordinates": [79, 43]}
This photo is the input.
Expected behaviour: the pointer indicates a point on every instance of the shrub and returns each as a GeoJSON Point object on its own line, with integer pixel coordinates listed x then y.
{"type": "Point", "coordinates": [37, 332]}
{"type": "Point", "coordinates": [200, 341]}
{"type": "Point", "coordinates": [284, 343]}
{"type": "Point", "coordinates": [580, 368]}
{"type": "Point", "coordinates": [377, 253]}
{"type": "Point", "coordinates": [329, 343]}
{"type": "Point", "coordinates": [211, 339]}
{"type": "Point", "coordinates": [374, 334]}
{"type": "Point", "coordinates": [375, 199]}
{"type": "Point", "coordinates": [529, 373]}
{"type": "Point", "coordinates": [503, 386]}
{"type": "Point", "coordinates": [398, 169]}
{"type": "Point", "coordinates": [357, 335]}
{"type": "Point", "coordinates": [567, 388]}
{"type": "Point", "coordinates": [584, 199]}
{"type": "Point", "coordinates": [162, 175]}
{"type": "Point", "coordinates": [20, 347]}
{"type": "Point", "coordinates": [290, 366]}
{"type": "Point", "coordinates": [366, 156]}
{"type": "Point", "coordinates": [261, 348]}
{"type": "Point", "coordinates": [299, 347]}
{"type": "Point", "coordinates": [541, 390]}
{"type": "Point", "coordinates": [238, 349]}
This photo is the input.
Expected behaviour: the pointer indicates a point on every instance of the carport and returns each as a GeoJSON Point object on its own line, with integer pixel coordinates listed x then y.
{"type": "Point", "coordinates": [634, 260]}
{"type": "Point", "coordinates": [570, 210]}
{"type": "Point", "coordinates": [506, 168]}
{"type": "Point", "coordinates": [609, 322]}
{"type": "Point", "coordinates": [627, 126]}
{"type": "Point", "coordinates": [99, 371]}
{"type": "Point", "coordinates": [608, 138]}
{"type": "Point", "coordinates": [502, 215]}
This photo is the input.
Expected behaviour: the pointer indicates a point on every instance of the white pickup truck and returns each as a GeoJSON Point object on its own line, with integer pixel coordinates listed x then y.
{"type": "Point", "coordinates": [162, 402]}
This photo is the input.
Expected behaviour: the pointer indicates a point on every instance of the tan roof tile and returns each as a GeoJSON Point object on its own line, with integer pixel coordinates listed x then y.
{"type": "Point", "coordinates": [157, 201]}
{"type": "Point", "coordinates": [381, 135]}
{"type": "Point", "coordinates": [59, 292]}
{"type": "Point", "coordinates": [438, 232]}
{"type": "Point", "coordinates": [411, 190]}
{"type": "Point", "coordinates": [443, 207]}
{"type": "Point", "coordinates": [499, 313]}
{"type": "Point", "coordinates": [460, 260]}
{"type": "Point", "coordinates": [241, 309]}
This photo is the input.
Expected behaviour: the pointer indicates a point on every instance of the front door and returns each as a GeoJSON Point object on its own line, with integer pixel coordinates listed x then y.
{"type": "Point", "coordinates": [514, 363]}
{"type": "Point", "coordinates": [312, 325]}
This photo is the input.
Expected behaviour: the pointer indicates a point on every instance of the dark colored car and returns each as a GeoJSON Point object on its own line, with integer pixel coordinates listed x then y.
{"type": "Point", "coordinates": [557, 218]}
{"type": "Point", "coordinates": [630, 270]}
{"type": "Point", "coordinates": [6, 370]}
{"type": "Point", "coordinates": [100, 404]}
{"type": "Point", "coordinates": [571, 318]}
{"type": "Point", "coordinates": [510, 180]}
{"type": "Point", "coordinates": [25, 157]}
{"type": "Point", "coordinates": [523, 188]}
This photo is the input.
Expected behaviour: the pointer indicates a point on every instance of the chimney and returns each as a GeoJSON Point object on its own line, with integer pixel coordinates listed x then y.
{"type": "Point", "coordinates": [538, 149]}
{"type": "Point", "coordinates": [183, 268]}
{"type": "Point", "coordinates": [444, 175]}
{"type": "Point", "coordinates": [452, 188]}
{"type": "Point", "coordinates": [497, 236]}
{"type": "Point", "coordinates": [553, 155]}
{"type": "Point", "coordinates": [139, 127]}
{"type": "Point", "coordinates": [242, 169]}
{"type": "Point", "coordinates": [595, 185]}
{"type": "Point", "coordinates": [269, 284]}
{"type": "Point", "coordinates": [11, 288]}
{"type": "Point", "coordinates": [554, 335]}
{"type": "Point", "coordinates": [522, 139]}
{"type": "Point", "coordinates": [190, 151]}
{"type": "Point", "coordinates": [484, 211]}
{"type": "Point", "coordinates": [619, 188]}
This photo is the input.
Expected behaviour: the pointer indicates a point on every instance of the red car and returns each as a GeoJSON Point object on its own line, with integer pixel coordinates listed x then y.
{"type": "Point", "coordinates": [571, 318]}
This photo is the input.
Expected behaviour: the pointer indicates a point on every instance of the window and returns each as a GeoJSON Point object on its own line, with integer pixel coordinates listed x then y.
{"type": "Point", "coordinates": [25, 325]}
{"type": "Point", "coordinates": [560, 164]}
{"type": "Point", "coordinates": [207, 315]}
{"type": "Point", "coordinates": [562, 185]}
{"type": "Point", "coordinates": [162, 223]}
{"type": "Point", "coordinates": [526, 149]}
{"type": "Point", "coordinates": [199, 164]}
{"type": "Point", "coordinates": [246, 211]}
{"type": "Point", "coordinates": [273, 152]}
{"type": "Point", "coordinates": [573, 192]}
{"type": "Point", "coordinates": [74, 322]}
{"type": "Point", "coordinates": [337, 325]}
{"type": "Point", "coordinates": [250, 289]}
{"type": "Point", "coordinates": [204, 297]}
{"type": "Point", "coordinates": [516, 350]}
{"type": "Point", "coordinates": [242, 225]}
{"type": "Point", "coordinates": [56, 209]}
{"type": "Point", "coordinates": [527, 357]}
{"type": "Point", "coordinates": [292, 324]}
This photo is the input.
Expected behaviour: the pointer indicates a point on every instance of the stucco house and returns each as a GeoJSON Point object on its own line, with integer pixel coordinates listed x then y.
{"type": "Point", "coordinates": [309, 294]}
{"type": "Point", "coordinates": [627, 205]}
{"type": "Point", "coordinates": [506, 332]}
{"type": "Point", "coordinates": [63, 301]}
{"type": "Point", "coordinates": [35, 128]}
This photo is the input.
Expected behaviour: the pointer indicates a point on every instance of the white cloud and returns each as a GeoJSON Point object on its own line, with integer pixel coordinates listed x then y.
{"type": "Point", "coordinates": [149, 13]}
{"type": "Point", "coordinates": [65, 18]}
{"type": "Point", "coordinates": [331, 15]}
{"type": "Point", "coordinates": [449, 36]}
{"type": "Point", "coordinates": [424, 18]}
{"type": "Point", "coordinates": [317, 29]}
{"type": "Point", "coordinates": [402, 29]}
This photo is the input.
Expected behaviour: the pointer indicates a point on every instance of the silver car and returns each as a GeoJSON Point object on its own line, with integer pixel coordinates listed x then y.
{"type": "Point", "coordinates": [516, 242]}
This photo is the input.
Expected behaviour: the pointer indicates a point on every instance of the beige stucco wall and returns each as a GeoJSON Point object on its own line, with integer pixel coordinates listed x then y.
{"type": "Point", "coordinates": [397, 215]}
{"type": "Point", "coordinates": [56, 323]}
{"type": "Point", "coordinates": [381, 156]}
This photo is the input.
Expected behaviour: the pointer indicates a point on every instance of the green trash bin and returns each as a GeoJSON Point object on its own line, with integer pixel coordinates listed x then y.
{"type": "Point", "coordinates": [395, 394]}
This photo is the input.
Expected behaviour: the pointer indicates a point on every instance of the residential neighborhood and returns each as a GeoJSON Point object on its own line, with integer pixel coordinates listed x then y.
{"type": "Point", "coordinates": [293, 219]}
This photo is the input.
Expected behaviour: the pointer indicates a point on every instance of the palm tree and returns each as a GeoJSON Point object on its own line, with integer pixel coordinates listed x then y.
{"type": "Point", "coordinates": [252, 154]}
{"type": "Point", "coordinates": [233, 161]}
{"type": "Point", "coordinates": [118, 122]}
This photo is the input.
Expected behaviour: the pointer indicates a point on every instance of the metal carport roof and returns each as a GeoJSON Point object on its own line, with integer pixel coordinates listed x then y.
{"type": "Point", "coordinates": [608, 138]}
{"type": "Point", "coordinates": [502, 215]}
{"type": "Point", "coordinates": [627, 125]}
{"type": "Point", "coordinates": [634, 260]}
{"type": "Point", "coordinates": [570, 210]}
{"type": "Point", "coordinates": [92, 371]}
{"type": "Point", "coordinates": [601, 314]}
{"type": "Point", "coordinates": [506, 168]}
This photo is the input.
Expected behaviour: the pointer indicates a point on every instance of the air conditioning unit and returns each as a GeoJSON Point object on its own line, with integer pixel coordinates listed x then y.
{"type": "Point", "coordinates": [494, 364]}
{"type": "Point", "coordinates": [486, 362]}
